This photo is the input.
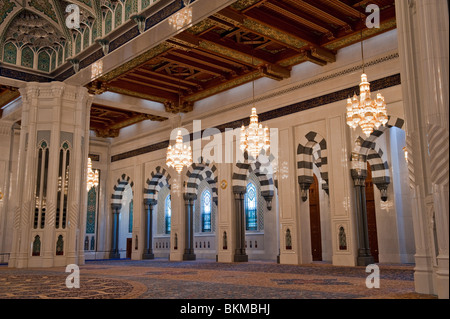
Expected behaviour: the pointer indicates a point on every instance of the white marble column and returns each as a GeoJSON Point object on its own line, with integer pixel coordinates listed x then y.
{"type": "Point", "coordinates": [225, 237]}
{"type": "Point", "coordinates": [54, 112]}
{"type": "Point", "coordinates": [6, 160]}
{"type": "Point", "coordinates": [423, 32]}
{"type": "Point", "coordinates": [178, 218]}
{"type": "Point", "coordinates": [290, 245]}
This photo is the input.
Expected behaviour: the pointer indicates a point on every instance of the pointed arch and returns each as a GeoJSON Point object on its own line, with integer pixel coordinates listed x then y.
{"type": "Point", "coordinates": [198, 172]}
{"type": "Point", "coordinates": [312, 149]}
{"type": "Point", "coordinates": [10, 53]}
{"type": "Point", "coordinates": [27, 57]}
{"type": "Point", "coordinates": [364, 146]}
{"type": "Point", "coordinates": [263, 172]}
{"type": "Point", "coordinates": [122, 182]}
{"type": "Point", "coordinates": [160, 178]}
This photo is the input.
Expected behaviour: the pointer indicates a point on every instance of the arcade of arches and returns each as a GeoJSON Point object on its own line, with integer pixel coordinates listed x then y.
{"type": "Point", "coordinates": [328, 193]}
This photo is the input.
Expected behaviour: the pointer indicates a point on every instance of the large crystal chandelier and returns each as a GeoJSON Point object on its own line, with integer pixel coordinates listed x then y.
{"type": "Point", "coordinates": [183, 17]}
{"type": "Point", "coordinates": [255, 137]}
{"type": "Point", "coordinates": [92, 177]}
{"type": "Point", "coordinates": [179, 155]}
{"type": "Point", "coordinates": [365, 112]}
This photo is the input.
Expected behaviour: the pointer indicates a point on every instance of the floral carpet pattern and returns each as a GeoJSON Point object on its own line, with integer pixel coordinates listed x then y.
{"type": "Point", "coordinates": [205, 279]}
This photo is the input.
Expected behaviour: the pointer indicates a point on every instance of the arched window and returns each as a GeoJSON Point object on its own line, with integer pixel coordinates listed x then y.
{"type": "Point", "coordinates": [168, 213]}
{"type": "Point", "coordinates": [251, 207]}
{"type": "Point", "coordinates": [206, 211]}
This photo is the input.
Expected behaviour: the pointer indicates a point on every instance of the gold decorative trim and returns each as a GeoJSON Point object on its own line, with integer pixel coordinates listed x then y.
{"type": "Point", "coordinates": [273, 34]}
{"type": "Point", "coordinates": [223, 184]}
{"type": "Point", "coordinates": [210, 46]}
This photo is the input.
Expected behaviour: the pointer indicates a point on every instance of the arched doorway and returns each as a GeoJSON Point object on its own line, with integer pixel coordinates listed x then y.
{"type": "Point", "coordinates": [371, 217]}
{"type": "Point", "coordinates": [126, 223]}
{"type": "Point", "coordinates": [314, 215]}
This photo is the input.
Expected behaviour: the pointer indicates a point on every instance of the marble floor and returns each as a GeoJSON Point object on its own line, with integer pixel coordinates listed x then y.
{"type": "Point", "coordinates": [206, 279]}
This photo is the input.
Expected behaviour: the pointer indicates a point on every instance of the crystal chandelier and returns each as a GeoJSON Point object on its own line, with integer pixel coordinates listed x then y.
{"type": "Point", "coordinates": [182, 17]}
{"type": "Point", "coordinates": [179, 155]}
{"type": "Point", "coordinates": [365, 112]}
{"type": "Point", "coordinates": [92, 177]}
{"type": "Point", "coordinates": [255, 137]}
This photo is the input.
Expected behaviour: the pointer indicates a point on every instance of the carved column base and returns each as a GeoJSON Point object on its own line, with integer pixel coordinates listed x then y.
{"type": "Point", "coordinates": [189, 256]}
{"type": "Point", "coordinates": [114, 255]}
{"type": "Point", "coordinates": [148, 256]}
{"type": "Point", "coordinates": [240, 258]}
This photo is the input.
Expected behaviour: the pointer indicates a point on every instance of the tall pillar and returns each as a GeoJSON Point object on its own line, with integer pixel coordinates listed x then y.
{"type": "Point", "coordinates": [364, 256]}
{"type": "Point", "coordinates": [51, 174]}
{"type": "Point", "coordinates": [114, 254]}
{"type": "Point", "coordinates": [148, 249]}
{"type": "Point", "coordinates": [240, 254]}
{"type": "Point", "coordinates": [423, 32]}
{"type": "Point", "coordinates": [7, 150]}
{"type": "Point", "coordinates": [189, 229]}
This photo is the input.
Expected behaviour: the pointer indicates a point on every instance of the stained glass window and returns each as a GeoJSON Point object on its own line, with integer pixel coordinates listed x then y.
{"type": "Point", "coordinates": [168, 213]}
{"type": "Point", "coordinates": [130, 218]}
{"type": "Point", "coordinates": [206, 211]}
{"type": "Point", "coordinates": [251, 207]}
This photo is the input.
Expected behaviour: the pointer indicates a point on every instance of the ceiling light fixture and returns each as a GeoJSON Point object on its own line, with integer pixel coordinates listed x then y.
{"type": "Point", "coordinates": [183, 17]}
{"type": "Point", "coordinates": [255, 137]}
{"type": "Point", "coordinates": [179, 155]}
{"type": "Point", "coordinates": [365, 112]}
{"type": "Point", "coordinates": [92, 177]}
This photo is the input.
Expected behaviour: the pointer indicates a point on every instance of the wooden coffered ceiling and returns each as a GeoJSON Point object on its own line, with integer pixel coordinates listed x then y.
{"type": "Point", "coordinates": [248, 40]}
{"type": "Point", "coordinates": [7, 95]}
{"type": "Point", "coordinates": [107, 121]}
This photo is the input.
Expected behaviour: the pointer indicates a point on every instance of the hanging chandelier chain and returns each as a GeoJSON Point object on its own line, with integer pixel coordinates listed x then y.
{"type": "Point", "coordinates": [365, 112]}
{"type": "Point", "coordinates": [362, 43]}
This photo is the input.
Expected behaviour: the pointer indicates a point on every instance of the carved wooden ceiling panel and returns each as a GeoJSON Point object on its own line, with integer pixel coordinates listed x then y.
{"type": "Point", "coordinates": [246, 41]}
{"type": "Point", "coordinates": [107, 121]}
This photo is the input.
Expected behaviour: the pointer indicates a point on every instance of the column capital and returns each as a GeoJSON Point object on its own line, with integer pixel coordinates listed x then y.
{"type": "Point", "coordinates": [239, 195]}
{"type": "Point", "coordinates": [359, 181]}
{"type": "Point", "coordinates": [116, 208]}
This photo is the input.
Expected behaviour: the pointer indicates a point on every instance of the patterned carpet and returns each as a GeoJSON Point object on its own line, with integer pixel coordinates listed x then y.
{"type": "Point", "coordinates": [204, 279]}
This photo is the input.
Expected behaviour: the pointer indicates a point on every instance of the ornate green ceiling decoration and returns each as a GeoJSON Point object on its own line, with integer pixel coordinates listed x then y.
{"type": "Point", "coordinates": [243, 4]}
{"type": "Point", "coordinates": [45, 7]}
{"type": "Point", "coordinates": [7, 7]}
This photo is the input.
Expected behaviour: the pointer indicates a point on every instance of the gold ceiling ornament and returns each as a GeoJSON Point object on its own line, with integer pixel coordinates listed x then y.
{"type": "Point", "coordinates": [179, 155]}
{"type": "Point", "coordinates": [365, 112]}
{"type": "Point", "coordinates": [183, 17]}
{"type": "Point", "coordinates": [92, 177]}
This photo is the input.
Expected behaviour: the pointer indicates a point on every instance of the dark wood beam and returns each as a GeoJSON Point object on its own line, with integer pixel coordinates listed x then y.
{"type": "Point", "coordinates": [240, 49]}
{"type": "Point", "coordinates": [193, 64]}
{"type": "Point", "coordinates": [170, 82]}
{"type": "Point", "coordinates": [326, 13]}
{"type": "Point", "coordinates": [263, 17]}
{"type": "Point", "coordinates": [346, 8]}
{"type": "Point", "coordinates": [126, 86]}
{"type": "Point", "coordinates": [206, 60]}
{"type": "Point", "coordinates": [147, 83]}
{"type": "Point", "coordinates": [170, 79]}
{"type": "Point", "coordinates": [302, 17]}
